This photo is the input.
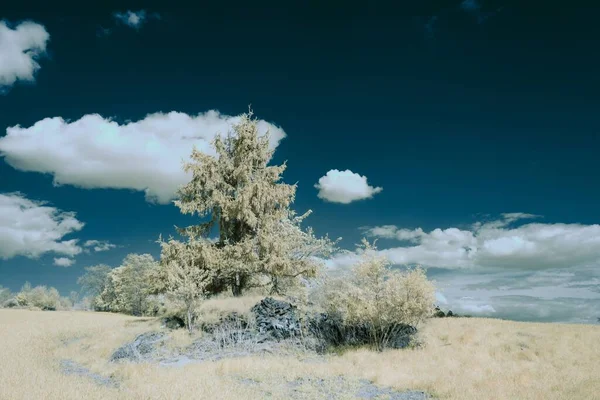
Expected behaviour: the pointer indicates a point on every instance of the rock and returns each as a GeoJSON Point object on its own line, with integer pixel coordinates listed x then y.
{"type": "Point", "coordinates": [370, 391]}
{"type": "Point", "coordinates": [332, 331]}
{"type": "Point", "coordinates": [439, 313]}
{"type": "Point", "coordinates": [277, 319]}
{"type": "Point", "coordinates": [173, 322]}
{"type": "Point", "coordinates": [142, 348]}
{"type": "Point", "coordinates": [70, 367]}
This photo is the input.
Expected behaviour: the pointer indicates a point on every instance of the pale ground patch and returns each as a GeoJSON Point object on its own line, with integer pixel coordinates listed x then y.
{"type": "Point", "coordinates": [463, 358]}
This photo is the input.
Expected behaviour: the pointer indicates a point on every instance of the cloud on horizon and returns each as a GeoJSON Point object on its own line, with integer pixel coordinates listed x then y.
{"type": "Point", "coordinates": [20, 49]}
{"type": "Point", "coordinates": [538, 272]}
{"type": "Point", "coordinates": [495, 244]}
{"type": "Point", "coordinates": [96, 153]}
{"type": "Point", "coordinates": [345, 187]}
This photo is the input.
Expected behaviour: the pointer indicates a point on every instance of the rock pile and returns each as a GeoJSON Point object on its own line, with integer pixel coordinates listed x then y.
{"type": "Point", "coordinates": [144, 347]}
{"type": "Point", "coordinates": [277, 319]}
{"type": "Point", "coordinates": [332, 331]}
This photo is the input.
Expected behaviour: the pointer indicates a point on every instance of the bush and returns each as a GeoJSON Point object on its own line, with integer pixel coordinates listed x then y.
{"type": "Point", "coordinates": [40, 297]}
{"type": "Point", "coordinates": [5, 295]}
{"type": "Point", "coordinates": [379, 300]}
{"type": "Point", "coordinates": [126, 289]}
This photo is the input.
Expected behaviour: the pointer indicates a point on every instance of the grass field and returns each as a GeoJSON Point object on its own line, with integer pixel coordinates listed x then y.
{"type": "Point", "coordinates": [463, 359]}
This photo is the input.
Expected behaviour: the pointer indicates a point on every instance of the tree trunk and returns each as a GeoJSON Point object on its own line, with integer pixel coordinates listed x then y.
{"type": "Point", "coordinates": [275, 290]}
{"type": "Point", "coordinates": [189, 318]}
{"type": "Point", "coordinates": [236, 289]}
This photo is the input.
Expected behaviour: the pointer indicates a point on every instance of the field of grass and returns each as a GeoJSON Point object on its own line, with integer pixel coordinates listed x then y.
{"type": "Point", "coordinates": [463, 359]}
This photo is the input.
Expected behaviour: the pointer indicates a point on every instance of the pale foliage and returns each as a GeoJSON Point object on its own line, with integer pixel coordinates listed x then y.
{"type": "Point", "coordinates": [286, 252]}
{"type": "Point", "coordinates": [187, 271]}
{"type": "Point", "coordinates": [94, 281]}
{"type": "Point", "coordinates": [127, 287]}
{"type": "Point", "coordinates": [5, 294]}
{"type": "Point", "coordinates": [250, 206]}
{"type": "Point", "coordinates": [39, 297]}
{"type": "Point", "coordinates": [380, 298]}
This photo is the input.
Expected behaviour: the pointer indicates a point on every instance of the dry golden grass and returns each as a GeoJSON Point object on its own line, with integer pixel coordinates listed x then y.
{"type": "Point", "coordinates": [462, 359]}
{"type": "Point", "coordinates": [219, 306]}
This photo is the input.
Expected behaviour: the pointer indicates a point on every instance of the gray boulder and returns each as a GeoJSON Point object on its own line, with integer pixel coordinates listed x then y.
{"type": "Point", "coordinates": [332, 331]}
{"type": "Point", "coordinates": [142, 348]}
{"type": "Point", "coordinates": [277, 319]}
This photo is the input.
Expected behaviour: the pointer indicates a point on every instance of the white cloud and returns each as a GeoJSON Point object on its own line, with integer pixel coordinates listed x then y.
{"type": "Point", "coordinates": [134, 19]}
{"type": "Point", "coordinates": [503, 268]}
{"type": "Point", "coordinates": [99, 245]}
{"type": "Point", "coordinates": [345, 187]}
{"type": "Point", "coordinates": [20, 49]}
{"type": "Point", "coordinates": [551, 295]}
{"type": "Point", "coordinates": [30, 228]}
{"type": "Point", "coordinates": [477, 308]}
{"type": "Point", "coordinates": [495, 244]}
{"type": "Point", "coordinates": [64, 262]}
{"type": "Point", "coordinates": [96, 152]}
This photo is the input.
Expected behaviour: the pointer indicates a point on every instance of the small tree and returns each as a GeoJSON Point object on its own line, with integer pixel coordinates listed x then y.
{"type": "Point", "coordinates": [187, 271]}
{"type": "Point", "coordinates": [5, 295]}
{"type": "Point", "coordinates": [74, 297]}
{"type": "Point", "coordinates": [384, 300]}
{"type": "Point", "coordinates": [128, 286]}
{"type": "Point", "coordinates": [23, 296]}
{"type": "Point", "coordinates": [94, 281]}
{"type": "Point", "coordinates": [39, 296]}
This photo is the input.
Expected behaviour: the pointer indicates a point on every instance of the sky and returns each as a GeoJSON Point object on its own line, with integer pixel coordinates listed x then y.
{"type": "Point", "coordinates": [460, 134]}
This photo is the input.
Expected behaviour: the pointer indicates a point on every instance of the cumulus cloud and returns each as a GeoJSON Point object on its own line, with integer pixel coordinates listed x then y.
{"type": "Point", "coordinates": [31, 228]}
{"type": "Point", "coordinates": [20, 50]}
{"type": "Point", "coordinates": [96, 152]}
{"type": "Point", "coordinates": [496, 244]}
{"type": "Point", "coordinates": [554, 295]}
{"type": "Point", "coordinates": [64, 262]}
{"type": "Point", "coordinates": [99, 245]}
{"type": "Point", "coordinates": [134, 19]}
{"type": "Point", "coordinates": [508, 268]}
{"type": "Point", "coordinates": [345, 187]}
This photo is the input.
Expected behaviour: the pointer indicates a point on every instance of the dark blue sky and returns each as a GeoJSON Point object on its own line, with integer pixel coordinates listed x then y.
{"type": "Point", "coordinates": [460, 114]}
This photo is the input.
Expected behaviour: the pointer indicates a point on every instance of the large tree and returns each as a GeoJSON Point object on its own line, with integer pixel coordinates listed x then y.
{"type": "Point", "coordinates": [247, 202]}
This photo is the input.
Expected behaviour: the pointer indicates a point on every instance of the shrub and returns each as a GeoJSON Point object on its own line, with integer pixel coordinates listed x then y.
{"type": "Point", "coordinates": [379, 300]}
{"type": "Point", "coordinates": [40, 297]}
{"type": "Point", "coordinates": [5, 295]}
{"type": "Point", "coordinates": [126, 289]}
